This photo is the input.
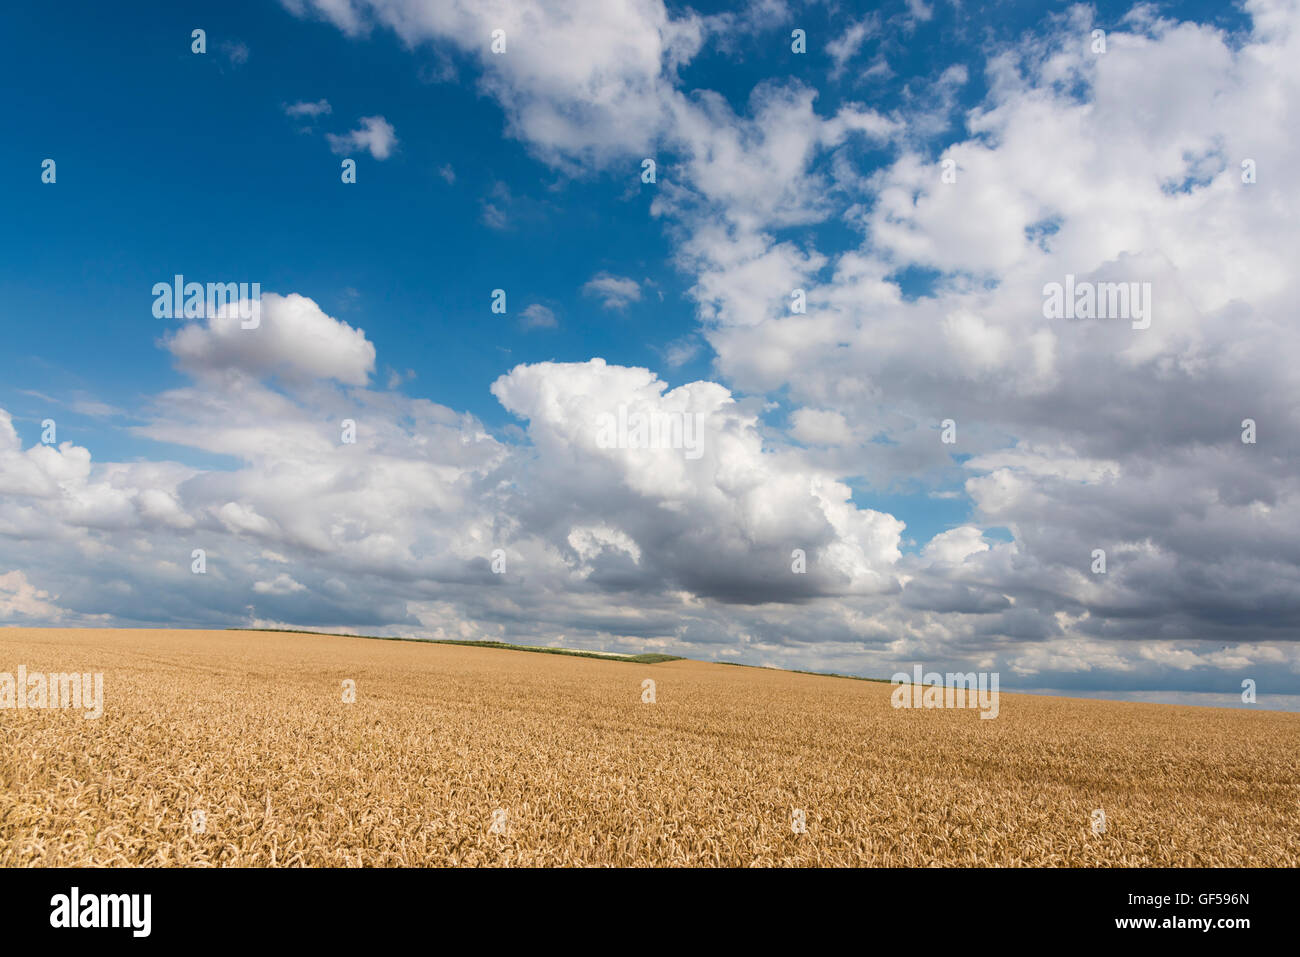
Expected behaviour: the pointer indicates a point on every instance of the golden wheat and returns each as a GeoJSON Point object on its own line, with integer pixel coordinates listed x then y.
{"type": "Point", "coordinates": [467, 756]}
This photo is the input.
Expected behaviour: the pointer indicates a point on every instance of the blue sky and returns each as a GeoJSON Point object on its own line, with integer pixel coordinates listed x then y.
{"type": "Point", "coordinates": [770, 164]}
{"type": "Point", "coordinates": [169, 161]}
{"type": "Point", "coordinates": [176, 161]}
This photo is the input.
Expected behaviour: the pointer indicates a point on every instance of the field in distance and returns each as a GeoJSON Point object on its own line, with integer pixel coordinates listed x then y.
{"type": "Point", "coordinates": [222, 748]}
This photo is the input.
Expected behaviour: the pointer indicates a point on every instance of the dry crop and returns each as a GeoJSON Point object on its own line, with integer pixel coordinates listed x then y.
{"type": "Point", "coordinates": [470, 756]}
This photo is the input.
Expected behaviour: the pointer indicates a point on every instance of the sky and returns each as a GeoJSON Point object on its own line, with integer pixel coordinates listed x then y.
{"type": "Point", "coordinates": [839, 270]}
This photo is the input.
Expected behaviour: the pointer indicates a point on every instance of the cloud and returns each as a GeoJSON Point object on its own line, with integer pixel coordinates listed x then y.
{"type": "Point", "coordinates": [582, 83]}
{"type": "Point", "coordinates": [395, 377]}
{"type": "Point", "coordinates": [282, 584]}
{"type": "Point", "coordinates": [1074, 436]}
{"type": "Point", "coordinates": [1071, 436]}
{"type": "Point", "coordinates": [236, 52]}
{"type": "Point", "coordinates": [313, 529]}
{"type": "Point", "coordinates": [537, 316]}
{"type": "Point", "coordinates": [614, 292]}
{"type": "Point", "coordinates": [955, 545]}
{"type": "Point", "coordinates": [80, 403]}
{"type": "Point", "coordinates": [375, 134]}
{"type": "Point", "coordinates": [18, 597]}
{"type": "Point", "coordinates": [919, 10]}
{"type": "Point", "coordinates": [501, 207]}
{"type": "Point", "coordinates": [846, 46]}
{"type": "Point", "coordinates": [681, 351]}
{"type": "Point", "coordinates": [295, 340]}
{"type": "Point", "coordinates": [722, 524]}
{"type": "Point", "coordinates": [309, 110]}
{"type": "Point", "coordinates": [820, 427]}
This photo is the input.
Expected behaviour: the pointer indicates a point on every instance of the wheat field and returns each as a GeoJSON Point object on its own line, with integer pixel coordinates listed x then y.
{"type": "Point", "coordinates": [238, 749]}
